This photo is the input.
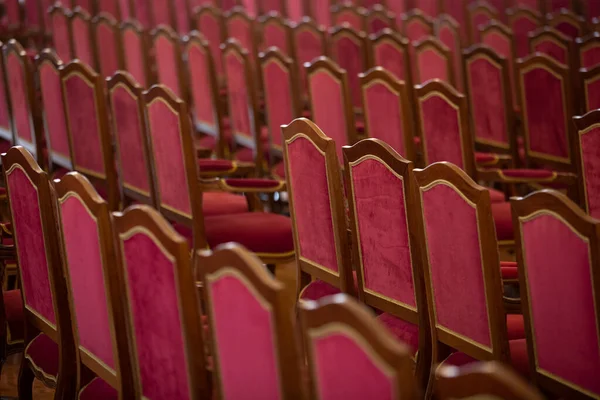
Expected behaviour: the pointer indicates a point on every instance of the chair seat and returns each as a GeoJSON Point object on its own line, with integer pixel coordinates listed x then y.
{"type": "Point", "coordinates": [98, 389]}
{"type": "Point", "coordinates": [211, 165]}
{"type": "Point", "coordinates": [497, 196]}
{"type": "Point", "coordinates": [15, 317]}
{"type": "Point", "coordinates": [205, 142]}
{"type": "Point", "coordinates": [486, 158]}
{"type": "Point", "coordinates": [404, 331]}
{"type": "Point", "coordinates": [42, 354]}
{"type": "Point", "coordinates": [221, 203]}
{"type": "Point", "coordinates": [261, 233]}
{"type": "Point", "coordinates": [503, 221]}
{"type": "Point", "coordinates": [509, 270]}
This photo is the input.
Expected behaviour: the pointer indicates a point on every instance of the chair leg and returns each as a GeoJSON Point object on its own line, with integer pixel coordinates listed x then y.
{"type": "Point", "coordinates": [26, 377]}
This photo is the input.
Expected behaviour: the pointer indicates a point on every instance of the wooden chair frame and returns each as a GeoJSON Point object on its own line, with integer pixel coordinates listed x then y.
{"type": "Point", "coordinates": [416, 15]}
{"type": "Point", "coordinates": [446, 21]}
{"type": "Point", "coordinates": [379, 12]}
{"type": "Point", "coordinates": [348, 8]}
{"type": "Point", "coordinates": [107, 20]}
{"type": "Point", "coordinates": [433, 43]}
{"type": "Point", "coordinates": [136, 28]}
{"type": "Point", "coordinates": [583, 124]}
{"type": "Point", "coordinates": [82, 14]}
{"type": "Point", "coordinates": [569, 17]}
{"type": "Point", "coordinates": [587, 76]}
{"type": "Point", "coordinates": [215, 48]}
{"type": "Point", "coordinates": [402, 45]}
{"type": "Point", "coordinates": [583, 44]}
{"type": "Point", "coordinates": [520, 12]}
{"type": "Point", "coordinates": [273, 18]}
{"type": "Point", "coordinates": [554, 36]}
{"type": "Point", "coordinates": [475, 8]}
{"type": "Point", "coordinates": [65, 13]}
{"type": "Point", "coordinates": [169, 34]}
{"type": "Point", "coordinates": [240, 12]}
{"type": "Point", "coordinates": [6, 133]}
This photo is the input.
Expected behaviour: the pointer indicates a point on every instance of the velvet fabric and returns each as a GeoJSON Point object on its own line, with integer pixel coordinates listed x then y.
{"type": "Point", "coordinates": [404, 331]}
{"type": "Point", "coordinates": [248, 365]}
{"type": "Point", "coordinates": [508, 272]}
{"type": "Point", "coordinates": [590, 57]}
{"type": "Point", "coordinates": [545, 108]}
{"type": "Point", "coordinates": [98, 389]}
{"type": "Point", "coordinates": [182, 17]}
{"type": "Point", "coordinates": [590, 154]}
{"type": "Point", "coordinates": [441, 131]}
{"type": "Point", "coordinates": [83, 119]}
{"type": "Point", "coordinates": [86, 277]}
{"type": "Point", "coordinates": [4, 114]}
{"type": "Point", "coordinates": [381, 219]}
{"type": "Point", "coordinates": [278, 171]}
{"type": "Point", "coordinates": [312, 211]}
{"type": "Point", "coordinates": [528, 173]}
{"type": "Point", "coordinates": [201, 90]}
{"type": "Point", "coordinates": [344, 368]}
{"type": "Point", "coordinates": [256, 183]}
{"type": "Point", "coordinates": [592, 89]}
{"type": "Point", "coordinates": [497, 196]}
{"type": "Point", "coordinates": [142, 13]}
{"type": "Point", "coordinates": [390, 57]}
{"type": "Point", "coordinates": [328, 108]}
{"type": "Point", "coordinates": [221, 203]}
{"type": "Point", "coordinates": [45, 15]}
{"type": "Point", "coordinates": [502, 45]}
{"type": "Point", "coordinates": [160, 12]}
{"type": "Point", "coordinates": [166, 65]}
{"type": "Point", "coordinates": [556, 5]}
{"type": "Point", "coordinates": [112, 7]}
{"type": "Point", "coordinates": [384, 115]}
{"type": "Point", "coordinates": [44, 354]}
{"type": "Point", "coordinates": [169, 164]}
{"type": "Point", "coordinates": [257, 231]}
{"type": "Point", "coordinates": [85, 4]}
{"type": "Point", "coordinates": [487, 101]}
{"type": "Point", "coordinates": [593, 9]}
{"type": "Point", "coordinates": [240, 29]}
{"type": "Point", "coordinates": [54, 114]}
{"type": "Point", "coordinates": [318, 289]}
{"type": "Point", "coordinates": [278, 99]}
{"type": "Point", "coordinates": [239, 96]}
{"type": "Point", "coordinates": [455, 264]}
{"type": "Point", "coordinates": [28, 230]}
{"type": "Point", "coordinates": [551, 245]}
{"type": "Point", "coordinates": [108, 51]}
{"type": "Point", "coordinates": [21, 110]}
{"type": "Point", "coordinates": [15, 317]}
{"type": "Point", "coordinates": [450, 39]}
{"type": "Point", "coordinates": [250, 6]}
{"type": "Point", "coordinates": [553, 50]}
{"type": "Point", "coordinates": [431, 65]}
{"type": "Point", "coordinates": [321, 12]}
{"type": "Point", "coordinates": [161, 350]}
{"type": "Point", "coordinates": [568, 29]}
{"type": "Point", "coordinates": [502, 215]}
{"type": "Point", "coordinates": [350, 17]}
{"type": "Point", "coordinates": [295, 10]}
{"type": "Point", "coordinates": [275, 36]}
{"type": "Point", "coordinates": [82, 40]}
{"type": "Point", "coordinates": [478, 19]}
{"type": "Point", "coordinates": [308, 47]}
{"type": "Point", "coordinates": [458, 11]}
{"type": "Point", "coordinates": [12, 13]}
{"type": "Point", "coordinates": [61, 37]}
{"type": "Point", "coordinates": [429, 7]}
{"type": "Point", "coordinates": [134, 56]}
{"type": "Point", "coordinates": [32, 17]}
{"type": "Point", "coordinates": [214, 165]}
{"type": "Point", "coordinates": [274, 5]}
{"type": "Point", "coordinates": [377, 24]}
{"type": "Point", "coordinates": [417, 30]}
{"type": "Point", "coordinates": [521, 28]}
{"type": "Point", "coordinates": [515, 326]}
{"type": "Point", "coordinates": [349, 55]}
{"type": "Point", "coordinates": [210, 28]}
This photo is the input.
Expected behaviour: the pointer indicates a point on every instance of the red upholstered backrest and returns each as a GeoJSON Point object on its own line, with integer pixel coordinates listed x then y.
{"type": "Point", "coordinates": [502, 45]}
{"type": "Point", "coordinates": [84, 4]}
{"type": "Point", "coordinates": [228, 4]}
{"type": "Point", "coordinates": [5, 130]}
{"type": "Point", "coordinates": [429, 7]}
{"type": "Point", "coordinates": [18, 70]}
{"type": "Point", "coordinates": [113, 7]}
{"type": "Point", "coordinates": [240, 29]}
{"type": "Point", "coordinates": [592, 93]}
{"type": "Point", "coordinates": [349, 52]}
{"type": "Point", "coordinates": [46, 15]}
{"type": "Point", "coordinates": [161, 12]}
{"type": "Point", "coordinates": [390, 56]}
{"type": "Point", "coordinates": [589, 141]}
{"type": "Point", "coordinates": [556, 5]}
{"type": "Point", "coordinates": [250, 6]}
{"type": "Point", "coordinates": [379, 196]}
{"type": "Point", "coordinates": [31, 246]}
{"type": "Point", "coordinates": [553, 49]}
{"type": "Point", "coordinates": [569, 29]}
{"type": "Point", "coordinates": [275, 35]}
{"type": "Point", "coordinates": [458, 11]}
{"type": "Point", "coordinates": [133, 50]}
{"type": "Point", "coordinates": [182, 16]}
{"type": "Point", "coordinates": [210, 27]}
{"type": "Point", "coordinates": [416, 29]}
{"type": "Point", "coordinates": [450, 38]}
{"type": "Point", "coordinates": [142, 13]}
{"type": "Point", "coordinates": [13, 13]}
{"type": "Point", "coordinates": [295, 10]}
{"type": "Point", "coordinates": [201, 90]}
{"type": "Point", "coordinates": [61, 38]}
{"type": "Point", "coordinates": [321, 12]}
{"type": "Point", "coordinates": [308, 47]}
{"type": "Point", "coordinates": [590, 55]}
{"type": "Point", "coordinates": [82, 39]}
{"type": "Point", "coordinates": [88, 285]}
{"type": "Point", "coordinates": [532, 4]}
{"type": "Point", "coordinates": [431, 64]}
{"type": "Point", "coordinates": [107, 37]}
{"type": "Point", "coordinates": [167, 66]}
{"type": "Point", "coordinates": [241, 112]}
{"type": "Point", "coordinates": [277, 81]}
{"type": "Point", "coordinates": [168, 158]}
{"type": "Point", "coordinates": [351, 17]}
{"type": "Point", "coordinates": [32, 17]}
{"type": "Point", "coordinates": [156, 315]}
{"type": "Point", "coordinates": [246, 363]}
{"type": "Point", "coordinates": [273, 5]}
{"type": "Point", "coordinates": [378, 23]}
{"type": "Point", "coordinates": [551, 243]}
{"type": "Point", "coordinates": [522, 26]}
{"type": "Point", "coordinates": [455, 263]}
{"type": "Point", "coordinates": [479, 18]}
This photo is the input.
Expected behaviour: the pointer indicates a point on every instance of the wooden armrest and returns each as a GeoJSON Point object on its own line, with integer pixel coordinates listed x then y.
{"type": "Point", "coordinates": [252, 185]}
{"type": "Point", "coordinates": [498, 175]}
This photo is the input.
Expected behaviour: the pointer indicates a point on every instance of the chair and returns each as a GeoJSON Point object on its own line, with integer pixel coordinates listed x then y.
{"type": "Point", "coordinates": [348, 14]}
{"type": "Point", "coordinates": [241, 27]}
{"type": "Point", "coordinates": [550, 6]}
{"type": "Point", "coordinates": [44, 297]}
{"type": "Point", "coordinates": [88, 129]}
{"type": "Point", "coordinates": [458, 10]}
{"type": "Point", "coordinates": [319, 11]}
{"type": "Point", "coordinates": [349, 50]}
{"type": "Point", "coordinates": [82, 40]}
{"type": "Point", "coordinates": [166, 46]}
{"type": "Point", "coordinates": [432, 60]}
{"type": "Point", "coordinates": [448, 32]}
{"type": "Point", "coordinates": [523, 21]}
{"type": "Point", "coordinates": [6, 136]}
{"type": "Point", "coordinates": [295, 10]}
{"type": "Point", "coordinates": [317, 211]}
{"type": "Point", "coordinates": [113, 8]}
{"type": "Point", "coordinates": [585, 147]}
{"type": "Point", "coordinates": [107, 43]}
{"type": "Point", "coordinates": [142, 13]}
{"type": "Point", "coordinates": [33, 20]}
{"type": "Point", "coordinates": [161, 13]}
{"type": "Point", "coordinates": [535, 5]}
{"type": "Point", "coordinates": [480, 381]}
{"type": "Point", "coordinates": [48, 66]}
{"type": "Point", "coordinates": [94, 288]}
{"type": "Point", "coordinates": [330, 101]}
{"type": "Point", "coordinates": [135, 51]}
{"type": "Point", "coordinates": [278, 6]}
{"type": "Point", "coordinates": [378, 18]}
{"type": "Point", "coordinates": [554, 44]}
{"type": "Point", "coordinates": [61, 31]}
{"type": "Point", "coordinates": [379, 184]}
{"type": "Point", "coordinates": [350, 354]}
{"type": "Point", "coordinates": [480, 13]}
{"type": "Point", "coordinates": [387, 110]}
{"type": "Point", "coordinates": [88, 6]}
{"type": "Point", "coordinates": [275, 32]}
{"type": "Point", "coordinates": [391, 51]}
{"type": "Point", "coordinates": [146, 242]}
{"type": "Point", "coordinates": [240, 292]}
{"type": "Point", "coordinates": [568, 23]}
{"type": "Point", "coordinates": [209, 22]}
{"type": "Point", "coordinates": [309, 42]}
{"type": "Point", "coordinates": [251, 7]}
{"type": "Point", "coordinates": [416, 25]}
{"type": "Point", "coordinates": [181, 15]}
{"type": "Point", "coordinates": [590, 81]}
{"type": "Point", "coordinates": [552, 231]}
{"type": "Point", "coordinates": [429, 7]}
{"type": "Point", "coordinates": [588, 48]}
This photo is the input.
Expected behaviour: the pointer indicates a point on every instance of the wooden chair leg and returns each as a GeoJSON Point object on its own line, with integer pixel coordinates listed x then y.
{"type": "Point", "coordinates": [26, 377]}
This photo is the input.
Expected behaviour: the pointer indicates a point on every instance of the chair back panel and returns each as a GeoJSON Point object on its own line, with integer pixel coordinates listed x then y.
{"type": "Point", "coordinates": [210, 24]}
{"type": "Point", "coordinates": [161, 12]}
{"type": "Point", "coordinates": [552, 49]}
{"type": "Point", "coordinates": [309, 44]}
{"type": "Point", "coordinates": [449, 35]}
{"type": "Point", "coordinates": [589, 142]}
{"type": "Point", "coordinates": [295, 10]}
{"type": "Point", "coordinates": [142, 13]}
{"type": "Point", "coordinates": [167, 65]}
{"type": "Point", "coordinates": [378, 21]}
{"type": "Point", "coordinates": [458, 11]}
{"type": "Point", "coordinates": [522, 24]}
{"type": "Point", "coordinates": [275, 34]}
{"type": "Point", "coordinates": [429, 7]}
{"type": "Point", "coordinates": [107, 37]}
{"type": "Point", "coordinates": [33, 18]}
{"type": "Point", "coordinates": [112, 7]}
{"type": "Point", "coordinates": [350, 16]}
{"type": "Point", "coordinates": [182, 15]}
{"type": "Point", "coordinates": [389, 54]}
{"type": "Point", "coordinates": [250, 6]}
{"type": "Point", "coordinates": [591, 88]}
{"type": "Point", "coordinates": [321, 12]}
{"type": "Point", "coordinates": [61, 36]}
{"type": "Point", "coordinates": [272, 5]}
{"type": "Point", "coordinates": [5, 128]}
{"type": "Point", "coordinates": [348, 50]}
{"type": "Point", "coordinates": [135, 56]}
{"type": "Point", "coordinates": [416, 29]}
{"type": "Point", "coordinates": [590, 55]}
{"type": "Point", "coordinates": [19, 78]}
{"type": "Point", "coordinates": [199, 59]}
{"type": "Point", "coordinates": [480, 15]}
{"type": "Point", "coordinates": [239, 92]}
{"type": "Point", "coordinates": [241, 28]}
{"type": "Point", "coordinates": [502, 44]}
{"type": "Point", "coordinates": [431, 64]}
{"type": "Point", "coordinates": [82, 38]}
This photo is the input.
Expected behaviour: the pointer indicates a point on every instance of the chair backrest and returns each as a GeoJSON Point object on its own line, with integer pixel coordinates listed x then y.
{"type": "Point", "coordinates": [379, 18]}
{"type": "Point", "coordinates": [23, 101]}
{"type": "Point", "coordinates": [240, 291]}
{"type": "Point", "coordinates": [590, 78]}
{"type": "Point", "coordinates": [480, 13]}
{"type": "Point", "coordinates": [92, 280]}
{"type": "Point", "coordinates": [350, 354]}
{"type": "Point", "coordinates": [88, 6]}
{"type": "Point", "coordinates": [161, 13]}
{"type": "Point", "coordinates": [12, 11]}
{"type": "Point", "coordinates": [554, 44]}
{"type": "Point", "coordinates": [443, 125]}
{"type": "Point", "coordinates": [209, 22]}
{"type": "Point", "coordinates": [432, 60]}
{"type": "Point", "coordinates": [142, 13]}
{"type": "Point", "coordinates": [61, 31]}
{"type": "Point", "coordinates": [87, 126]}
{"type": "Point", "coordinates": [448, 32]}
{"type": "Point", "coordinates": [319, 10]}
{"type": "Point", "coordinates": [108, 44]}
{"type": "Point", "coordinates": [281, 94]}
{"type": "Point", "coordinates": [551, 231]}
{"type": "Point", "coordinates": [317, 210]}
{"type": "Point", "coordinates": [330, 101]}
{"type": "Point", "coordinates": [461, 264]}
{"type": "Point", "coordinates": [135, 51]}
{"type": "Point", "coordinates": [33, 19]}
{"type": "Point", "coordinates": [551, 6]}
{"type": "Point", "coordinates": [592, 10]}
{"type": "Point", "coordinates": [490, 98]}
{"type": "Point", "coordinates": [126, 107]}
{"type": "Point", "coordinates": [181, 15]}
{"type": "Point", "coordinates": [388, 113]}
{"type": "Point", "coordinates": [588, 128]}
{"type": "Point", "coordinates": [348, 13]}
{"type": "Point", "coordinates": [482, 381]}
{"type": "Point", "coordinates": [588, 49]}
{"type": "Point", "coordinates": [349, 50]}
{"type": "Point", "coordinates": [241, 27]}
{"type": "Point", "coordinates": [168, 59]}
{"type": "Point", "coordinates": [251, 7]}
{"type": "Point", "coordinates": [429, 7]}
{"type": "Point", "coordinates": [5, 112]}
{"type": "Point", "coordinates": [81, 37]}
{"type": "Point", "coordinates": [547, 107]}
{"type": "Point", "coordinates": [278, 6]}
{"type": "Point", "coordinates": [113, 7]}
{"type": "Point", "coordinates": [309, 43]}
{"type": "Point", "coordinates": [416, 25]}
{"type": "Point", "coordinates": [458, 10]}
{"type": "Point", "coordinates": [568, 23]}
{"type": "Point", "coordinates": [391, 51]}
{"type": "Point", "coordinates": [523, 21]}
{"type": "Point", "coordinates": [167, 357]}
{"type": "Point", "coordinates": [275, 32]}
{"type": "Point", "coordinates": [295, 10]}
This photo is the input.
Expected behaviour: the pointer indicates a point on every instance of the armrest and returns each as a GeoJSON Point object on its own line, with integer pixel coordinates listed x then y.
{"type": "Point", "coordinates": [509, 271]}
{"type": "Point", "coordinates": [252, 185]}
{"type": "Point", "coordinates": [493, 160]}
{"type": "Point", "coordinates": [526, 176]}
{"type": "Point", "coordinates": [219, 168]}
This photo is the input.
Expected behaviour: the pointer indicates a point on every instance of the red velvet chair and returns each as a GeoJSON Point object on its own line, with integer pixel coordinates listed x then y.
{"type": "Point", "coordinates": [448, 32]}
{"type": "Point", "coordinates": [309, 43]}
{"type": "Point", "coordinates": [522, 21]}
{"type": "Point", "coordinates": [267, 6]}
{"type": "Point", "coordinates": [88, 128]}
{"type": "Point", "coordinates": [320, 12]}
{"type": "Point", "coordinates": [275, 32]}
{"type": "Point", "coordinates": [88, 6]}
{"type": "Point", "coordinates": [241, 27]}
{"type": "Point", "coordinates": [432, 60]}
{"type": "Point", "coordinates": [107, 44]}
{"type": "Point", "coordinates": [166, 47]}
{"type": "Point", "coordinates": [429, 7]}
{"type": "Point", "coordinates": [181, 13]}
{"type": "Point", "coordinates": [346, 13]}
{"type": "Point", "coordinates": [551, 42]}
{"type": "Point", "coordinates": [240, 292]}
{"type": "Point", "coordinates": [82, 42]}
{"type": "Point", "coordinates": [209, 22]}
{"type": "Point", "coordinates": [44, 307]}
{"type": "Point", "coordinates": [317, 210]}
{"type": "Point", "coordinates": [590, 84]}
{"type": "Point", "coordinates": [398, 7]}
{"type": "Point", "coordinates": [586, 139]}
{"type": "Point", "coordinates": [592, 10]}
{"type": "Point", "coordinates": [388, 112]}
{"type": "Point", "coordinates": [535, 5]}
{"type": "Point", "coordinates": [379, 18]}
{"type": "Point", "coordinates": [391, 51]}
{"type": "Point", "coordinates": [588, 48]}
{"type": "Point", "coordinates": [295, 10]}
{"type": "Point", "coordinates": [351, 355]}
{"type": "Point", "coordinates": [6, 136]}
{"type": "Point", "coordinates": [161, 13]}
{"type": "Point", "coordinates": [379, 185]}
{"type": "Point", "coordinates": [462, 271]}
{"type": "Point", "coordinates": [251, 7]}
{"type": "Point", "coordinates": [458, 10]}
{"type": "Point", "coordinates": [112, 7]}
{"type": "Point", "coordinates": [161, 309]}
{"type": "Point", "coordinates": [349, 50]}
{"type": "Point", "coordinates": [135, 52]}
{"type": "Point", "coordinates": [61, 31]}
{"type": "Point", "coordinates": [480, 13]}
{"type": "Point", "coordinates": [330, 101]}
{"type": "Point", "coordinates": [554, 232]}
{"type": "Point", "coordinates": [416, 25]}
{"type": "Point", "coordinates": [568, 23]}
{"type": "Point", "coordinates": [142, 13]}
{"type": "Point", "coordinates": [34, 20]}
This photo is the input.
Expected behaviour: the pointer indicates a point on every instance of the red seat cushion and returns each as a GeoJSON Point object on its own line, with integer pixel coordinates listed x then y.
{"type": "Point", "coordinates": [485, 158]}
{"type": "Point", "coordinates": [98, 389]}
{"type": "Point", "coordinates": [404, 331]}
{"type": "Point", "coordinates": [253, 183]}
{"type": "Point", "coordinates": [278, 171]}
{"type": "Point", "coordinates": [220, 203]}
{"type": "Point", "coordinates": [259, 232]}
{"type": "Point", "coordinates": [42, 352]}
{"type": "Point", "coordinates": [509, 270]}
{"type": "Point", "coordinates": [15, 317]}
{"type": "Point", "coordinates": [497, 196]}
{"type": "Point", "coordinates": [318, 289]}
{"type": "Point", "coordinates": [206, 142]}
{"type": "Point", "coordinates": [503, 221]}
{"type": "Point", "coordinates": [528, 173]}
{"type": "Point", "coordinates": [516, 326]}
{"type": "Point", "coordinates": [210, 165]}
